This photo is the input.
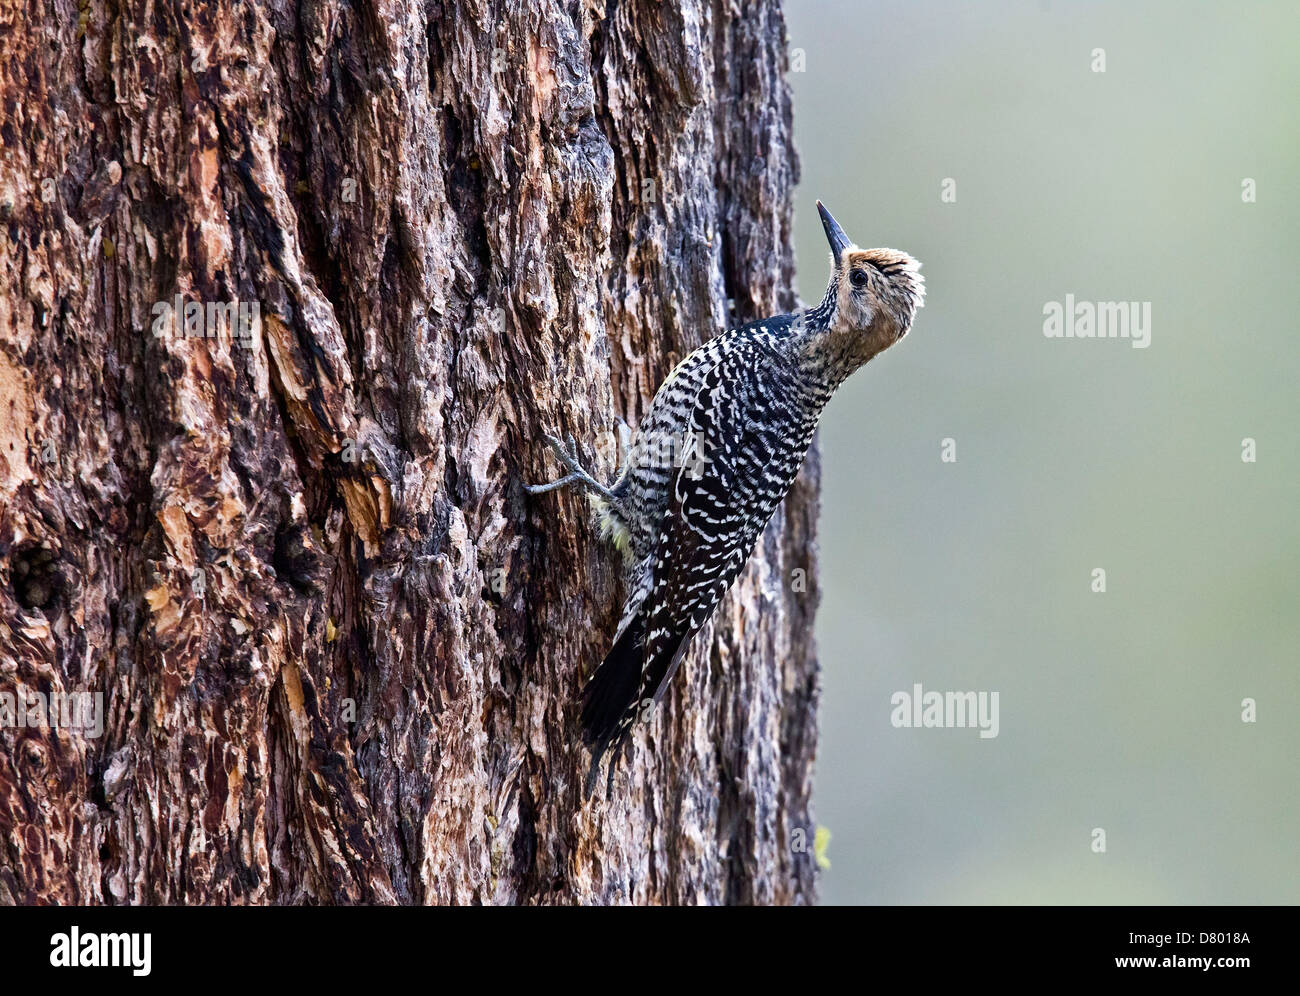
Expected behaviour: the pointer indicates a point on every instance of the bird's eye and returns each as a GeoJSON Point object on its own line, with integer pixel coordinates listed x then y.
{"type": "Point", "coordinates": [858, 278]}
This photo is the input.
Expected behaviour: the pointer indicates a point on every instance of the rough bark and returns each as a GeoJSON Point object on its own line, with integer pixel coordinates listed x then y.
{"type": "Point", "coordinates": [340, 649]}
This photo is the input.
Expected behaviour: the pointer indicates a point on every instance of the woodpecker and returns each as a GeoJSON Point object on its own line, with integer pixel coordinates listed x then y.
{"type": "Point", "coordinates": [718, 449]}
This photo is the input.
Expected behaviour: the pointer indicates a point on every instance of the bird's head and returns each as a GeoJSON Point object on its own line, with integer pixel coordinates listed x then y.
{"type": "Point", "coordinates": [874, 292]}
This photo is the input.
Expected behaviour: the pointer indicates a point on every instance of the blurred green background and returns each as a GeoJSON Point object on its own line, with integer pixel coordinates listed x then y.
{"type": "Point", "coordinates": [1119, 710]}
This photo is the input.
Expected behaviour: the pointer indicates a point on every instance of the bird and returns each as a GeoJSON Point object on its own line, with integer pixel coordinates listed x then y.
{"type": "Point", "coordinates": [717, 450]}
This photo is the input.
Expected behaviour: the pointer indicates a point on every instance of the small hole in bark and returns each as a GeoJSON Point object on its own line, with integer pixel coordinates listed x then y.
{"type": "Point", "coordinates": [36, 579]}
{"type": "Point", "coordinates": [34, 757]}
{"type": "Point", "coordinates": [296, 559]}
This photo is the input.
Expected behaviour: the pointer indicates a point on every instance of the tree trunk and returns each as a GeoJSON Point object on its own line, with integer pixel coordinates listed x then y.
{"type": "Point", "coordinates": [339, 648]}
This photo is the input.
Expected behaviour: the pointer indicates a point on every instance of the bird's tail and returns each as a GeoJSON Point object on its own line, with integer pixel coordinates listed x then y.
{"type": "Point", "coordinates": [609, 701]}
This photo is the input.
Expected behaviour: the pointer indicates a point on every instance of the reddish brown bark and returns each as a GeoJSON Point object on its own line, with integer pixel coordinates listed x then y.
{"type": "Point", "coordinates": [339, 648]}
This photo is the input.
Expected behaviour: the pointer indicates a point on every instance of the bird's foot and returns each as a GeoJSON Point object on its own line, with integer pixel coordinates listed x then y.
{"type": "Point", "coordinates": [577, 475]}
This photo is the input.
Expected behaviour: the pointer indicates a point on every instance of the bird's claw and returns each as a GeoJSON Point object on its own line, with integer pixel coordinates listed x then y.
{"type": "Point", "coordinates": [568, 456]}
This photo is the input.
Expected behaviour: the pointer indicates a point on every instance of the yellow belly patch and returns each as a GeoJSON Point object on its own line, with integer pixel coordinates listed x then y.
{"type": "Point", "coordinates": [612, 526]}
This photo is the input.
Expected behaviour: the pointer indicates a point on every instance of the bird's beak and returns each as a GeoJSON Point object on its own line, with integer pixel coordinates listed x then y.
{"type": "Point", "coordinates": [834, 234]}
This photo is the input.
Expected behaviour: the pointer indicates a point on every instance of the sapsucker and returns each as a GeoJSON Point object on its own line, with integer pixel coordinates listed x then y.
{"type": "Point", "coordinates": [718, 449]}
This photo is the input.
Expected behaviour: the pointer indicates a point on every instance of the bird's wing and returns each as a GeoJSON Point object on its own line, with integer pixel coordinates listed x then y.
{"type": "Point", "coordinates": [612, 699]}
{"type": "Point", "coordinates": [743, 447]}
{"type": "Point", "coordinates": [741, 454]}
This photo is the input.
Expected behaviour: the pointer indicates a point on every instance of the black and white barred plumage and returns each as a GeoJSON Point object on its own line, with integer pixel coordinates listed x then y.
{"type": "Point", "coordinates": [719, 448]}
